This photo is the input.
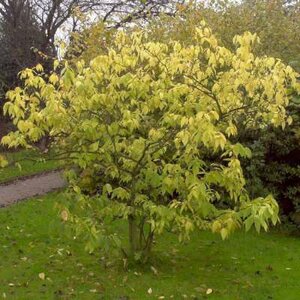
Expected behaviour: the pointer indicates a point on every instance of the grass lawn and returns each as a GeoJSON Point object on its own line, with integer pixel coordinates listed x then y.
{"type": "Point", "coordinates": [265, 266]}
{"type": "Point", "coordinates": [26, 165]}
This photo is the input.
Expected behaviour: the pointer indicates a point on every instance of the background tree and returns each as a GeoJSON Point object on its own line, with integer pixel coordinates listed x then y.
{"type": "Point", "coordinates": [276, 22]}
{"type": "Point", "coordinates": [19, 35]}
{"type": "Point", "coordinates": [51, 15]}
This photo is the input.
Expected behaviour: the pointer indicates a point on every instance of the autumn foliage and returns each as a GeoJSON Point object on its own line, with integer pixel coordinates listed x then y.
{"type": "Point", "coordinates": [150, 131]}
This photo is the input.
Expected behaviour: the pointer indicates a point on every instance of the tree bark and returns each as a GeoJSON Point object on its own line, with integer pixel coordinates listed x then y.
{"type": "Point", "coordinates": [134, 236]}
{"type": "Point", "coordinates": [140, 246]}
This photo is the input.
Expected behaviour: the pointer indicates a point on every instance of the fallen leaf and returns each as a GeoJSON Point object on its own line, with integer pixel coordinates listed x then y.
{"type": "Point", "coordinates": [154, 270]}
{"type": "Point", "coordinates": [209, 291]}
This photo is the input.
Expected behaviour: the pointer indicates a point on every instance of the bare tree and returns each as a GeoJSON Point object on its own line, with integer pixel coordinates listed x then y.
{"type": "Point", "coordinates": [19, 34]}
{"type": "Point", "coordinates": [52, 14]}
{"type": "Point", "coordinates": [33, 24]}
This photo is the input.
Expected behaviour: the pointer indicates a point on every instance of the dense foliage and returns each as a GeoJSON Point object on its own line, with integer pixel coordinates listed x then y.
{"type": "Point", "coordinates": [150, 130]}
{"type": "Point", "coordinates": [275, 164]}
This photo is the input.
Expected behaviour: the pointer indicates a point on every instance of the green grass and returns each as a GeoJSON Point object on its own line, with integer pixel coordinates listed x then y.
{"type": "Point", "coordinates": [247, 266]}
{"type": "Point", "coordinates": [26, 164]}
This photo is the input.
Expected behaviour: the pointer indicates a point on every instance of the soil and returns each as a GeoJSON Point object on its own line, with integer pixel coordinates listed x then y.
{"type": "Point", "coordinates": [36, 185]}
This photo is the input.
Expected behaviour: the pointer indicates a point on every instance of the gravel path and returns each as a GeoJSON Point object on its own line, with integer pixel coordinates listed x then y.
{"type": "Point", "coordinates": [29, 187]}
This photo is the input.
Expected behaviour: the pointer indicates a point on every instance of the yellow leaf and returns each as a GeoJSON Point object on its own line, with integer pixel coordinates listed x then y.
{"type": "Point", "coordinates": [209, 291]}
{"type": "Point", "coordinates": [39, 68]}
{"type": "Point", "coordinates": [53, 78]}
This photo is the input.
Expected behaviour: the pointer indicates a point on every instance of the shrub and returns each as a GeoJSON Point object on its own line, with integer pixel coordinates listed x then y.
{"type": "Point", "coordinates": [155, 124]}
{"type": "Point", "coordinates": [275, 166]}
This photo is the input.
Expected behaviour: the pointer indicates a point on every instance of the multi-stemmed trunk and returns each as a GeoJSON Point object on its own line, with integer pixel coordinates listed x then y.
{"type": "Point", "coordinates": [140, 240]}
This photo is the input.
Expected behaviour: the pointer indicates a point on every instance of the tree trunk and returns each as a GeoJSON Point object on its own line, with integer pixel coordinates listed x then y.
{"type": "Point", "coordinates": [140, 247]}
{"type": "Point", "coordinates": [134, 236]}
